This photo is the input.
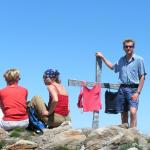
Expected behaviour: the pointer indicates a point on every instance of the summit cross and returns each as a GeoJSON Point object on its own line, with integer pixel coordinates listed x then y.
{"type": "Point", "coordinates": [95, 123]}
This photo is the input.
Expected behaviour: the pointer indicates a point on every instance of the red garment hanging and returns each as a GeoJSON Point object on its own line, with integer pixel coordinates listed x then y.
{"type": "Point", "coordinates": [89, 99]}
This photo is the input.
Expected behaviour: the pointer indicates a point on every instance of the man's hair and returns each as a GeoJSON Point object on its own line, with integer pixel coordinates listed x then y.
{"type": "Point", "coordinates": [12, 75]}
{"type": "Point", "coordinates": [127, 41]}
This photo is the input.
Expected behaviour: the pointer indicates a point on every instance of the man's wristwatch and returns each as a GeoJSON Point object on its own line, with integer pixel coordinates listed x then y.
{"type": "Point", "coordinates": [138, 92]}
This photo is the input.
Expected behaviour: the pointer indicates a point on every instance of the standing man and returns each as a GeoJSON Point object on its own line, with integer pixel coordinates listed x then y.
{"type": "Point", "coordinates": [132, 76]}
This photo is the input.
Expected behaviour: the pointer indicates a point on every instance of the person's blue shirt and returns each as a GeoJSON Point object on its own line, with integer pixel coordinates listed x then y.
{"type": "Point", "coordinates": [130, 71]}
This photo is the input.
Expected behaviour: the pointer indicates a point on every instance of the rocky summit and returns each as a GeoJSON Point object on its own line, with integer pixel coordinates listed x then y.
{"type": "Point", "coordinates": [118, 137]}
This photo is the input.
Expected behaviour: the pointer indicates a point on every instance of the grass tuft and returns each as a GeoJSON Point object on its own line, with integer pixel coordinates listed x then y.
{"type": "Point", "coordinates": [2, 144]}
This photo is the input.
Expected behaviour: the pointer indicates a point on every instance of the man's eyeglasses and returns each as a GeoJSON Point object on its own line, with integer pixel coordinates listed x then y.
{"type": "Point", "coordinates": [128, 46]}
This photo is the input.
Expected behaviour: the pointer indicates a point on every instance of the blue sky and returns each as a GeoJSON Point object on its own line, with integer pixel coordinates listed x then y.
{"type": "Point", "coordinates": [36, 35]}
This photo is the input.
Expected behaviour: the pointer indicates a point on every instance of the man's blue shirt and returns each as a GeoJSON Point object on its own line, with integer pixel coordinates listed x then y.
{"type": "Point", "coordinates": [130, 71]}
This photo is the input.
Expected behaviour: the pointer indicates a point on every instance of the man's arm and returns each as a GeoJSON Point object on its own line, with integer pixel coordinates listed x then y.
{"type": "Point", "coordinates": [142, 79]}
{"type": "Point", "coordinates": [139, 89]}
{"type": "Point", "coordinates": [107, 62]}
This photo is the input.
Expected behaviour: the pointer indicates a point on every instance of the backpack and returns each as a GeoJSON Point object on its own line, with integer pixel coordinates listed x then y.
{"type": "Point", "coordinates": [35, 124]}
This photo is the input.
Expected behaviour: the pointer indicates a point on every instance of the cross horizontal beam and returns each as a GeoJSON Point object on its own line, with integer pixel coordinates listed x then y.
{"type": "Point", "coordinates": [90, 84]}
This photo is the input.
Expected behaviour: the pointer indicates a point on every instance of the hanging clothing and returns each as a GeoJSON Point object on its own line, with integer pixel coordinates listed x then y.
{"type": "Point", "coordinates": [89, 99]}
{"type": "Point", "coordinates": [111, 102]}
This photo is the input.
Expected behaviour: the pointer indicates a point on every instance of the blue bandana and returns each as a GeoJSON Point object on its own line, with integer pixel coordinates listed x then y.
{"type": "Point", "coordinates": [51, 73]}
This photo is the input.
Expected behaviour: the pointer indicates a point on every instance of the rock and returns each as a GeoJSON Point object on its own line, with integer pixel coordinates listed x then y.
{"type": "Point", "coordinates": [23, 145]}
{"type": "Point", "coordinates": [3, 133]}
{"type": "Point", "coordinates": [106, 138]}
{"type": "Point", "coordinates": [133, 148]}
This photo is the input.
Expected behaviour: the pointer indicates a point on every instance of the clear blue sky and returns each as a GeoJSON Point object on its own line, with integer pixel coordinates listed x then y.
{"type": "Point", "coordinates": [65, 34]}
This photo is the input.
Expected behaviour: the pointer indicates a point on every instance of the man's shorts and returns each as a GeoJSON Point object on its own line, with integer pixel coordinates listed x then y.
{"type": "Point", "coordinates": [124, 101]}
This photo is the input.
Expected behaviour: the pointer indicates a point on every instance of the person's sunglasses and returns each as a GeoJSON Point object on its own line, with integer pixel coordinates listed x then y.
{"type": "Point", "coordinates": [128, 46]}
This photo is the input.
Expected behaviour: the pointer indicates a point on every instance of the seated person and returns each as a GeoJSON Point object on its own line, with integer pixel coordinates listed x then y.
{"type": "Point", "coordinates": [57, 112]}
{"type": "Point", "coordinates": [13, 102]}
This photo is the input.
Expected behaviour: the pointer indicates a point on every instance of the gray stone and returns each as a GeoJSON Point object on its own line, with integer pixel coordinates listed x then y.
{"type": "Point", "coordinates": [106, 138]}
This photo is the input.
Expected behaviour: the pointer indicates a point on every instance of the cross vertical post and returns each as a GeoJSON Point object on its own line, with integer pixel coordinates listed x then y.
{"type": "Point", "coordinates": [95, 123]}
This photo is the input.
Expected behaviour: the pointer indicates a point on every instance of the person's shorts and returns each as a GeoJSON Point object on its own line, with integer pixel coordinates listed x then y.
{"type": "Point", "coordinates": [9, 125]}
{"type": "Point", "coordinates": [124, 101]}
{"type": "Point", "coordinates": [57, 119]}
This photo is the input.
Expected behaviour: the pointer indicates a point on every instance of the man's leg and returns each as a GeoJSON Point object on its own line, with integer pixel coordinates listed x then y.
{"type": "Point", "coordinates": [133, 105]}
{"type": "Point", "coordinates": [133, 117]}
{"type": "Point", "coordinates": [124, 117]}
{"type": "Point", "coordinates": [122, 105]}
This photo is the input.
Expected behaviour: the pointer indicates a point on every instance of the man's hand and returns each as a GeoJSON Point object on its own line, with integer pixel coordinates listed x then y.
{"type": "Point", "coordinates": [99, 54]}
{"type": "Point", "coordinates": [107, 62]}
{"type": "Point", "coordinates": [135, 96]}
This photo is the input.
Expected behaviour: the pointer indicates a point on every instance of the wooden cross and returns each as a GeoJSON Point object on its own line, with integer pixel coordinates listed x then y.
{"type": "Point", "coordinates": [95, 123]}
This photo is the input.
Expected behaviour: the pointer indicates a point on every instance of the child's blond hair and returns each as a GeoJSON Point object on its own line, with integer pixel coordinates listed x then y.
{"type": "Point", "coordinates": [12, 75]}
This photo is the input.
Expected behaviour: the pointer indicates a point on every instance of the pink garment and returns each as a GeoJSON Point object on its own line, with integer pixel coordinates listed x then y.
{"type": "Point", "coordinates": [89, 99]}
